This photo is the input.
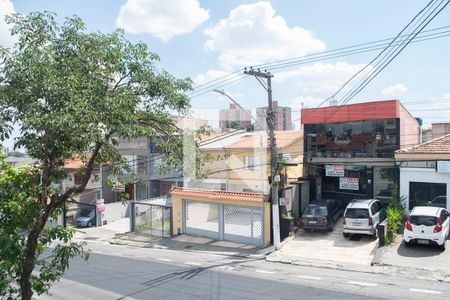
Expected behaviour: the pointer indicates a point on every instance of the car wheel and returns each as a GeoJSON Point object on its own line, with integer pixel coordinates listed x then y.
{"type": "Point", "coordinates": [407, 244]}
{"type": "Point", "coordinates": [89, 224]}
{"type": "Point", "coordinates": [442, 247]}
{"type": "Point", "coordinates": [330, 229]}
{"type": "Point", "coordinates": [375, 234]}
{"type": "Point", "coordinates": [346, 235]}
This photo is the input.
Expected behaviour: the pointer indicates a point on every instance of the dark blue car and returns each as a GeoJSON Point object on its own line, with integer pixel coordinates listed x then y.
{"type": "Point", "coordinates": [321, 215]}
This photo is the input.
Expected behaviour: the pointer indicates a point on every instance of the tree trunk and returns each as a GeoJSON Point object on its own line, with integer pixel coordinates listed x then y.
{"type": "Point", "coordinates": [28, 264]}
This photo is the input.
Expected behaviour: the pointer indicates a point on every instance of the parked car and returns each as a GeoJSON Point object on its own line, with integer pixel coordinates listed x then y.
{"type": "Point", "coordinates": [87, 218]}
{"type": "Point", "coordinates": [362, 216]}
{"type": "Point", "coordinates": [427, 225]}
{"type": "Point", "coordinates": [321, 215]}
{"type": "Point", "coordinates": [439, 201]}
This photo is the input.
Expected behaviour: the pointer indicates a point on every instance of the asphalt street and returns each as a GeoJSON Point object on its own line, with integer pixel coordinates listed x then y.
{"type": "Point", "coordinates": [121, 272]}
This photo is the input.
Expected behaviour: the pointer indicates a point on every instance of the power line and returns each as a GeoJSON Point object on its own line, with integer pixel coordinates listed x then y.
{"type": "Point", "coordinates": [388, 60]}
{"type": "Point", "coordinates": [233, 77]}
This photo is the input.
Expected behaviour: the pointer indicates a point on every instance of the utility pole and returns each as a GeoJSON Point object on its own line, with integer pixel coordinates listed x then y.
{"type": "Point", "coordinates": [275, 178]}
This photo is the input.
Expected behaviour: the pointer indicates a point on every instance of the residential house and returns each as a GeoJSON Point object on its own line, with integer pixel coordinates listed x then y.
{"type": "Point", "coordinates": [425, 173]}
{"type": "Point", "coordinates": [242, 160]}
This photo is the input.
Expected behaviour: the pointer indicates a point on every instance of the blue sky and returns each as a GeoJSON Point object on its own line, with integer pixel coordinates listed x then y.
{"type": "Point", "coordinates": [205, 39]}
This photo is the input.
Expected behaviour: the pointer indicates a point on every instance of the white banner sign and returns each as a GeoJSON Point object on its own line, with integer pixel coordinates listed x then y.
{"type": "Point", "coordinates": [347, 183]}
{"type": "Point", "coordinates": [443, 166]}
{"type": "Point", "coordinates": [334, 170]}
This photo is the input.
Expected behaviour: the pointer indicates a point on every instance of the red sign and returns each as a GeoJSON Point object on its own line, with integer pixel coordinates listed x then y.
{"type": "Point", "coordinates": [100, 203]}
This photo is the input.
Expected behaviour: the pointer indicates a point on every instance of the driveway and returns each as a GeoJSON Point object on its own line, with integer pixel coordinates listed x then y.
{"type": "Point", "coordinates": [332, 248]}
{"type": "Point", "coordinates": [416, 256]}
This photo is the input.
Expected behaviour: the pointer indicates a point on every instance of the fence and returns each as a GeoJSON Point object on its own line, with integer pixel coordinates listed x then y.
{"type": "Point", "coordinates": [151, 219]}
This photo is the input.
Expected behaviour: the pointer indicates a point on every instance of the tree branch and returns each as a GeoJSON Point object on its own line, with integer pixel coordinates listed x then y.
{"type": "Point", "coordinates": [120, 80]}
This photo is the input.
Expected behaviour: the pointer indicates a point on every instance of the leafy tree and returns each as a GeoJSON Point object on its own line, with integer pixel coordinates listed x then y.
{"type": "Point", "coordinates": [20, 188]}
{"type": "Point", "coordinates": [73, 93]}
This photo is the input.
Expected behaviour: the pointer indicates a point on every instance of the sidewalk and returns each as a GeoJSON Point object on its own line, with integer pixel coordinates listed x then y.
{"type": "Point", "coordinates": [189, 243]}
{"type": "Point", "coordinates": [105, 232]}
{"type": "Point", "coordinates": [425, 259]}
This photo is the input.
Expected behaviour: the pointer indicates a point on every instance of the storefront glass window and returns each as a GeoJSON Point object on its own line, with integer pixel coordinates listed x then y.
{"type": "Point", "coordinates": [354, 181]}
{"type": "Point", "coordinates": [420, 193]}
{"type": "Point", "coordinates": [384, 180]}
{"type": "Point", "coordinates": [375, 138]}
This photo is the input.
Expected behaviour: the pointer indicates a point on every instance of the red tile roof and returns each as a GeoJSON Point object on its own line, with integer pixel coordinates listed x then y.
{"type": "Point", "coordinates": [73, 164]}
{"type": "Point", "coordinates": [439, 145]}
{"type": "Point", "coordinates": [283, 139]}
{"type": "Point", "coordinates": [216, 194]}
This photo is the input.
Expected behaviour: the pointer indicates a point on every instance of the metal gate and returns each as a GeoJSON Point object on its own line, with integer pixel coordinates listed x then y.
{"type": "Point", "coordinates": [151, 219]}
{"type": "Point", "coordinates": [242, 224]}
{"type": "Point", "coordinates": [202, 218]}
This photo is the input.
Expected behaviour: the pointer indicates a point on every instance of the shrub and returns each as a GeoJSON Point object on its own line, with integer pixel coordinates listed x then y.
{"type": "Point", "coordinates": [394, 221]}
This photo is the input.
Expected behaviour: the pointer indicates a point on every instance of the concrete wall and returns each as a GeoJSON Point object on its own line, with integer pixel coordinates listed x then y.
{"type": "Point", "coordinates": [408, 175]}
{"type": "Point", "coordinates": [116, 211]}
{"type": "Point", "coordinates": [178, 217]}
{"type": "Point", "coordinates": [440, 129]}
{"type": "Point", "coordinates": [409, 129]}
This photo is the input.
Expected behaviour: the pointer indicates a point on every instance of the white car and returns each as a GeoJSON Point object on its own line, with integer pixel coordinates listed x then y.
{"type": "Point", "coordinates": [427, 225]}
{"type": "Point", "coordinates": [363, 217]}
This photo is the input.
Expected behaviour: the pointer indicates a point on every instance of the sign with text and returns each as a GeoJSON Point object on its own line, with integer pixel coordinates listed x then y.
{"type": "Point", "coordinates": [100, 203]}
{"type": "Point", "coordinates": [334, 170]}
{"type": "Point", "coordinates": [348, 183]}
{"type": "Point", "coordinates": [443, 166]}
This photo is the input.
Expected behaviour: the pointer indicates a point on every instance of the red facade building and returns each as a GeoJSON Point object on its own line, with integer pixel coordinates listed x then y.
{"type": "Point", "coordinates": [359, 140]}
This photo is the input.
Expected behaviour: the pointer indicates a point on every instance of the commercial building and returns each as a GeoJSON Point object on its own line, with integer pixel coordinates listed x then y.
{"type": "Point", "coordinates": [425, 173]}
{"type": "Point", "coordinates": [235, 118]}
{"type": "Point", "coordinates": [283, 117]}
{"type": "Point", "coordinates": [349, 150]}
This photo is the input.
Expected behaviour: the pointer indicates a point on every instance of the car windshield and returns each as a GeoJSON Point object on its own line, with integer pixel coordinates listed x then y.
{"type": "Point", "coordinates": [317, 210]}
{"type": "Point", "coordinates": [423, 220]}
{"type": "Point", "coordinates": [87, 213]}
{"type": "Point", "coordinates": [357, 213]}
{"type": "Point", "coordinates": [440, 199]}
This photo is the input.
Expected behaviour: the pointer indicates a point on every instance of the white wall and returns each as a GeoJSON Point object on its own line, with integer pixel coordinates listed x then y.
{"type": "Point", "coordinates": [115, 211]}
{"type": "Point", "coordinates": [422, 175]}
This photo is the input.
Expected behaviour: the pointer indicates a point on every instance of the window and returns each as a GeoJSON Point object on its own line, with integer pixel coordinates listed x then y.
{"type": "Point", "coordinates": [443, 217]}
{"type": "Point", "coordinates": [420, 193]}
{"type": "Point", "coordinates": [375, 208]}
{"type": "Point", "coordinates": [250, 163]}
{"type": "Point", "coordinates": [373, 138]}
{"type": "Point", "coordinates": [423, 220]}
{"type": "Point", "coordinates": [316, 210]}
{"type": "Point", "coordinates": [357, 213]}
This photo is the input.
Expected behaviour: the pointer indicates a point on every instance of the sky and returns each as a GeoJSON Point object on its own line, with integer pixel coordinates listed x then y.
{"type": "Point", "coordinates": [207, 39]}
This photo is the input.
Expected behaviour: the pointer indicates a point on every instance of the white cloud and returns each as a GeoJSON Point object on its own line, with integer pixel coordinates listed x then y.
{"type": "Point", "coordinates": [161, 18]}
{"type": "Point", "coordinates": [320, 77]}
{"type": "Point", "coordinates": [6, 8]}
{"type": "Point", "coordinates": [253, 34]}
{"type": "Point", "coordinates": [210, 75]}
{"type": "Point", "coordinates": [394, 90]}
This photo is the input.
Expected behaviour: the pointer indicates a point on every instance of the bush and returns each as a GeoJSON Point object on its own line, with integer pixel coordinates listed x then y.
{"type": "Point", "coordinates": [394, 221]}
{"type": "Point", "coordinates": [394, 215]}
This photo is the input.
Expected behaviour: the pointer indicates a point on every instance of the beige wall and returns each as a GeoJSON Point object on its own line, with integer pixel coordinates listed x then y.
{"type": "Point", "coordinates": [178, 217]}
{"type": "Point", "coordinates": [232, 161]}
